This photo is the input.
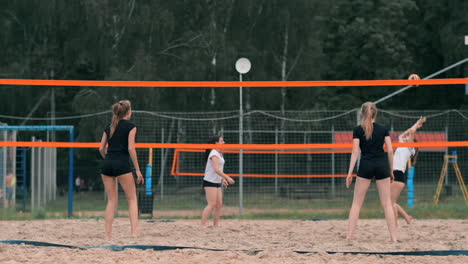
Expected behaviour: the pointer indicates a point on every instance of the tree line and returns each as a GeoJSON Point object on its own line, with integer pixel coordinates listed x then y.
{"type": "Point", "coordinates": [201, 40]}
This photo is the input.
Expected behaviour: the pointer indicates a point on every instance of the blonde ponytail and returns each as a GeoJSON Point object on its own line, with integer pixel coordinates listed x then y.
{"type": "Point", "coordinates": [120, 110]}
{"type": "Point", "coordinates": [113, 126]}
{"type": "Point", "coordinates": [368, 113]}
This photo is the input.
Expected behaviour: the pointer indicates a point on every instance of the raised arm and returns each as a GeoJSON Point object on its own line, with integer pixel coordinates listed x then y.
{"type": "Point", "coordinates": [412, 130]}
{"type": "Point", "coordinates": [352, 163]}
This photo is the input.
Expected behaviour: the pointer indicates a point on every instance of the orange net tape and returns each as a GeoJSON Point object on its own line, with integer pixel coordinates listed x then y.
{"type": "Point", "coordinates": [231, 83]}
{"type": "Point", "coordinates": [227, 146]}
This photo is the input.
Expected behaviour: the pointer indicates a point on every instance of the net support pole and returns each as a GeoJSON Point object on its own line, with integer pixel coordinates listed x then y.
{"type": "Point", "coordinates": [161, 177]}
{"type": "Point", "coordinates": [241, 152]}
{"type": "Point", "coordinates": [48, 179]}
{"type": "Point", "coordinates": [54, 171]}
{"type": "Point", "coordinates": [51, 176]}
{"type": "Point", "coordinates": [40, 172]}
{"type": "Point", "coordinates": [43, 179]}
{"type": "Point", "coordinates": [33, 169]}
{"type": "Point", "coordinates": [410, 184]}
{"type": "Point", "coordinates": [446, 153]}
{"type": "Point", "coordinates": [15, 149]}
{"type": "Point", "coordinates": [47, 170]}
{"type": "Point", "coordinates": [71, 176]}
{"type": "Point", "coordinates": [276, 163]}
{"type": "Point", "coordinates": [46, 175]}
{"type": "Point", "coordinates": [3, 171]}
{"type": "Point", "coordinates": [333, 170]}
{"type": "Point", "coordinates": [309, 159]}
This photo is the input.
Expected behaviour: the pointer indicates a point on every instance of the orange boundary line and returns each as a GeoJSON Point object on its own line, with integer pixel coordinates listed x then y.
{"type": "Point", "coordinates": [174, 162]}
{"type": "Point", "coordinates": [231, 83]}
{"type": "Point", "coordinates": [227, 146]}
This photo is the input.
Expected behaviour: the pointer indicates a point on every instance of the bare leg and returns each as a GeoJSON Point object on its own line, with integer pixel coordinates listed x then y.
{"type": "Point", "coordinates": [128, 185]}
{"type": "Point", "coordinates": [385, 199]}
{"type": "Point", "coordinates": [111, 190]}
{"type": "Point", "coordinates": [218, 207]}
{"type": "Point", "coordinates": [402, 212]}
{"type": "Point", "coordinates": [396, 188]}
{"type": "Point", "coordinates": [360, 190]}
{"type": "Point", "coordinates": [210, 193]}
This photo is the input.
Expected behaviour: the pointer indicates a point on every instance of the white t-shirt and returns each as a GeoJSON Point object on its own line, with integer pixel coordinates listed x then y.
{"type": "Point", "coordinates": [400, 158]}
{"type": "Point", "coordinates": [210, 174]}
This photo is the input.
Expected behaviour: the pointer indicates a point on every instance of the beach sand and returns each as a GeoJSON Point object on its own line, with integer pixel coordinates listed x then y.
{"type": "Point", "coordinates": [246, 241]}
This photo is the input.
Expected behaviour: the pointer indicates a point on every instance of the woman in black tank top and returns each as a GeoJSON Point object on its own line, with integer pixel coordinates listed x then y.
{"type": "Point", "coordinates": [369, 138]}
{"type": "Point", "coordinates": [119, 136]}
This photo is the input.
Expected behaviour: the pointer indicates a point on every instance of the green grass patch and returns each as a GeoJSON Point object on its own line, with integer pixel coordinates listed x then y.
{"type": "Point", "coordinates": [256, 205]}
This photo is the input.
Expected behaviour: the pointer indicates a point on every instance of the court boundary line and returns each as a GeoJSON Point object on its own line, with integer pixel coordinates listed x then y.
{"type": "Point", "coordinates": [247, 251]}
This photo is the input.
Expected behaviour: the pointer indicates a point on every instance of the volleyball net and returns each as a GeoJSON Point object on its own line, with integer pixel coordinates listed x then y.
{"type": "Point", "coordinates": [288, 160]}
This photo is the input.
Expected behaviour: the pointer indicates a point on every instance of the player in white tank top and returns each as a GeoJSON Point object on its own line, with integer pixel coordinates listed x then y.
{"type": "Point", "coordinates": [212, 181]}
{"type": "Point", "coordinates": [400, 159]}
{"type": "Point", "coordinates": [210, 172]}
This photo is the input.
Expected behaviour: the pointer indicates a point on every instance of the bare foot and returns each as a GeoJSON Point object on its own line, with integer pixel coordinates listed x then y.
{"type": "Point", "coordinates": [135, 234]}
{"type": "Point", "coordinates": [409, 219]}
{"type": "Point", "coordinates": [108, 236]}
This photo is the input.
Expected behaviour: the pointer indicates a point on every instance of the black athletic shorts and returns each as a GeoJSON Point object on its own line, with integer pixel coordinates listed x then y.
{"type": "Point", "coordinates": [115, 167]}
{"type": "Point", "coordinates": [211, 184]}
{"type": "Point", "coordinates": [400, 176]}
{"type": "Point", "coordinates": [368, 169]}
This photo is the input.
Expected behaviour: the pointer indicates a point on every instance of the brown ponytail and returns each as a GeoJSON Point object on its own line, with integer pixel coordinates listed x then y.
{"type": "Point", "coordinates": [368, 113]}
{"type": "Point", "coordinates": [120, 110]}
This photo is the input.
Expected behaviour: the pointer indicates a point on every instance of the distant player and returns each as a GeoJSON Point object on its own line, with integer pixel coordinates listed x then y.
{"type": "Point", "coordinates": [214, 178]}
{"type": "Point", "coordinates": [369, 137]}
{"type": "Point", "coordinates": [400, 159]}
{"type": "Point", "coordinates": [10, 184]}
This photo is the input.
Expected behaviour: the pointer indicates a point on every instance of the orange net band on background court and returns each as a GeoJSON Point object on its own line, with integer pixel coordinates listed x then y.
{"type": "Point", "coordinates": [270, 175]}
{"type": "Point", "coordinates": [175, 171]}
{"type": "Point", "coordinates": [226, 146]}
{"type": "Point", "coordinates": [232, 83]}
{"type": "Point", "coordinates": [275, 151]}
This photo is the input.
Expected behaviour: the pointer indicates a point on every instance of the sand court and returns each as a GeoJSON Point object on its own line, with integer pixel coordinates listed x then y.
{"type": "Point", "coordinates": [245, 241]}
